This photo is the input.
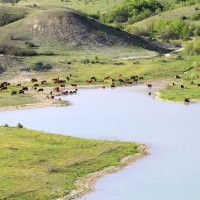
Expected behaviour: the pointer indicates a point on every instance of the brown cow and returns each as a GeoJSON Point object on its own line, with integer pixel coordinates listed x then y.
{"type": "Point", "coordinates": [149, 85]}
{"type": "Point", "coordinates": [34, 80]}
{"type": "Point", "coordinates": [40, 90]}
{"type": "Point", "coordinates": [21, 92]}
{"type": "Point", "coordinates": [43, 82]}
{"type": "Point", "coordinates": [13, 93]}
{"type": "Point", "coordinates": [186, 100]}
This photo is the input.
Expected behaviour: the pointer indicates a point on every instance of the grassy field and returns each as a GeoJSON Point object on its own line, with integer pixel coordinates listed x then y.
{"type": "Point", "coordinates": [154, 69]}
{"type": "Point", "coordinates": [36, 165]}
{"type": "Point", "coordinates": [87, 6]}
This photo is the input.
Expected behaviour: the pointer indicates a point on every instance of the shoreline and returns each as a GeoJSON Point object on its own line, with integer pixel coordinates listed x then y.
{"type": "Point", "coordinates": [57, 103]}
{"type": "Point", "coordinates": [86, 185]}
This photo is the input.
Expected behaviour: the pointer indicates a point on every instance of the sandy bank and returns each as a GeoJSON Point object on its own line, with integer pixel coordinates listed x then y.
{"type": "Point", "coordinates": [87, 184]}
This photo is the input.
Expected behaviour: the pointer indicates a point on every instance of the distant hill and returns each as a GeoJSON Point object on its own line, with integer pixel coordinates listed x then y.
{"type": "Point", "coordinates": [67, 29]}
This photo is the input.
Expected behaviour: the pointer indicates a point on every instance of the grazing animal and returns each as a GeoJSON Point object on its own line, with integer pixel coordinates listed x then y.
{"type": "Point", "coordinates": [173, 84]}
{"type": "Point", "coordinates": [177, 77]}
{"type": "Point", "coordinates": [13, 93]}
{"type": "Point", "coordinates": [62, 86]}
{"type": "Point", "coordinates": [113, 85]}
{"type": "Point", "coordinates": [187, 100]}
{"type": "Point", "coordinates": [4, 88]}
{"type": "Point", "coordinates": [68, 78]}
{"type": "Point", "coordinates": [43, 82]}
{"type": "Point", "coordinates": [182, 87]}
{"type": "Point", "coordinates": [25, 88]}
{"type": "Point", "coordinates": [192, 83]}
{"type": "Point", "coordinates": [57, 89]}
{"type": "Point", "coordinates": [36, 85]}
{"type": "Point", "coordinates": [21, 92]}
{"type": "Point", "coordinates": [198, 85]}
{"type": "Point", "coordinates": [141, 78]}
{"type": "Point", "coordinates": [74, 85]}
{"type": "Point", "coordinates": [104, 87]}
{"type": "Point", "coordinates": [93, 79]}
{"type": "Point", "coordinates": [61, 81]}
{"type": "Point", "coordinates": [34, 80]}
{"type": "Point", "coordinates": [149, 85]}
{"type": "Point", "coordinates": [88, 81]}
{"type": "Point", "coordinates": [40, 90]}
{"type": "Point", "coordinates": [149, 93]}
{"type": "Point", "coordinates": [19, 85]}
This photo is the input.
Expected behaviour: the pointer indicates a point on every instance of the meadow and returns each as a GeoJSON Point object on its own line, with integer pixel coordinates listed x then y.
{"type": "Point", "coordinates": [37, 165]}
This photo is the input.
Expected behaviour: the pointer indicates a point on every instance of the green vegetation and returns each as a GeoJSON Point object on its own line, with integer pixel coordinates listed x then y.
{"type": "Point", "coordinates": [169, 25]}
{"type": "Point", "coordinates": [133, 11]}
{"type": "Point", "coordinates": [192, 48]}
{"type": "Point", "coordinates": [36, 165]}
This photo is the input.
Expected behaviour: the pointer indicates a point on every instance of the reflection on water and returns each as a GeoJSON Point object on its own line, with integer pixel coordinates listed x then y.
{"type": "Point", "coordinates": [171, 172]}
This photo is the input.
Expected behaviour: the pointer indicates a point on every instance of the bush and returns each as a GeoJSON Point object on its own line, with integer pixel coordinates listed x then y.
{"type": "Point", "coordinates": [39, 66]}
{"type": "Point", "coordinates": [133, 11]}
{"type": "Point", "coordinates": [16, 51]}
{"type": "Point", "coordinates": [192, 48]}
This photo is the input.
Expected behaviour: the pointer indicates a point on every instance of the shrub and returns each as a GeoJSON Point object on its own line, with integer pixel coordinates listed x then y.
{"type": "Point", "coordinates": [39, 66]}
{"type": "Point", "coordinates": [16, 51]}
{"type": "Point", "coordinates": [192, 48]}
{"type": "Point", "coordinates": [133, 11]}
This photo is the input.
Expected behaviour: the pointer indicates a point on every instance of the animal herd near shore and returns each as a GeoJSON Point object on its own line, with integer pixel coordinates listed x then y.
{"type": "Point", "coordinates": [59, 85]}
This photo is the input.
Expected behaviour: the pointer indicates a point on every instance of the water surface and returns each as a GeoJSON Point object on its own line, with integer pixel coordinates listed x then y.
{"type": "Point", "coordinates": [170, 172]}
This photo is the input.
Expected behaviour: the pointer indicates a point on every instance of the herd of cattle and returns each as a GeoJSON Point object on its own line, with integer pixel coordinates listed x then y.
{"type": "Point", "coordinates": [59, 89]}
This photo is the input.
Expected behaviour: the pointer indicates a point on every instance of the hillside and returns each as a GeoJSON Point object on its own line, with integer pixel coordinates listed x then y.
{"type": "Point", "coordinates": [169, 15]}
{"type": "Point", "coordinates": [64, 29]}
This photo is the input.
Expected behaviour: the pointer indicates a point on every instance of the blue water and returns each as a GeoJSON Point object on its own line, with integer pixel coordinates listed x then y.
{"type": "Point", "coordinates": [170, 172]}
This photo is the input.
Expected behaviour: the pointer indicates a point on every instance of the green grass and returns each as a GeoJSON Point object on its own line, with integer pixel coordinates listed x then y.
{"type": "Point", "coordinates": [87, 6]}
{"type": "Point", "coordinates": [6, 99]}
{"type": "Point", "coordinates": [191, 91]}
{"type": "Point", "coordinates": [36, 165]}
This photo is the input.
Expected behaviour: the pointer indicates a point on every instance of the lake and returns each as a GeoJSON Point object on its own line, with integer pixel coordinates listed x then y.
{"type": "Point", "coordinates": [170, 172]}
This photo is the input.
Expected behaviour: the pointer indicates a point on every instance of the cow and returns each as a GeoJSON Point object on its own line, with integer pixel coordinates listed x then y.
{"type": "Point", "coordinates": [43, 82]}
{"type": "Point", "coordinates": [177, 77]}
{"type": "Point", "coordinates": [149, 85]}
{"type": "Point", "coordinates": [40, 90]}
{"type": "Point", "coordinates": [25, 88]}
{"type": "Point", "coordinates": [57, 89]}
{"type": "Point", "coordinates": [93, 79]}
{"type": "Point", "coordinates": [34, 80]}
{"type": "Point", "coordinates": [13, 93]}
{"type": "Point", "coordinates": [182, 87]}
{"type": "Point", "coordinates": [186, 100]}
{"type": "Point", "coordinates": [113, 85]}
{"type": "Point", "coordinates": [21, 92]}
{"type": "Point", "coordinates": [74, 85]}
{"type": "Point", "coordinates": [36, 85]}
